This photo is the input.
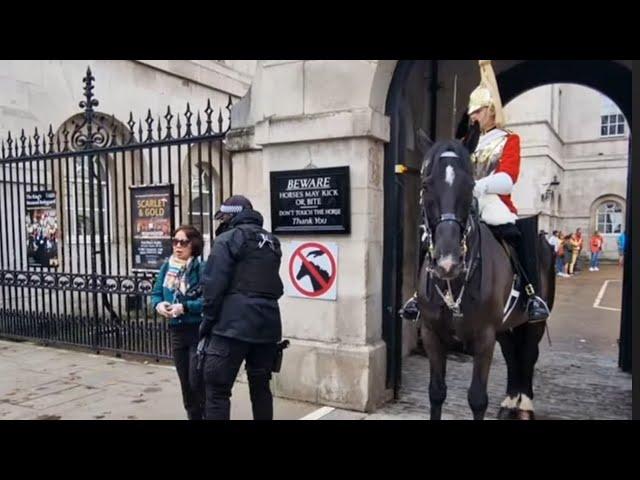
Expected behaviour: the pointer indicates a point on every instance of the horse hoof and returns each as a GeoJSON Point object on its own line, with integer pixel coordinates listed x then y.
{"type": "Point", "coordinates": [507, 413]}
{"type": "Point", "coordinates": [525, 415]}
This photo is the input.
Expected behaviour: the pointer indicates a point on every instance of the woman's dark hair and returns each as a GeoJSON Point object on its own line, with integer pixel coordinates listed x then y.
{"type": "Point", "coordinates": [192, 233]}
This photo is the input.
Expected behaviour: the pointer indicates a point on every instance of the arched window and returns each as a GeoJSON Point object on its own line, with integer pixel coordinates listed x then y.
{"type": "Point", "coordinates": [83, 220]}
{"type": "Point", "coordinates": [609, 218]}
{"type": "Point", "coordinates": [79, 221]}
{"type": "Point", "coordinates": [203, 191]}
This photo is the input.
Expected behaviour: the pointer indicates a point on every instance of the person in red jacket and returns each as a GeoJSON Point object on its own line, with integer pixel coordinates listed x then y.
{"type": "Point", "coordinates": [597, 242]}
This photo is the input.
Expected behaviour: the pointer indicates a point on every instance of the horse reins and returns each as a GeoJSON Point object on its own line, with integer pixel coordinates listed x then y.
{"type": "Point", "coordinates": [465, 227]}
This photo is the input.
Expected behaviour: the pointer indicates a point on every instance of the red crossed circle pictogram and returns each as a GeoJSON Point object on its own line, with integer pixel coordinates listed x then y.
{"type": "Point", "coordinates": [313, 270]}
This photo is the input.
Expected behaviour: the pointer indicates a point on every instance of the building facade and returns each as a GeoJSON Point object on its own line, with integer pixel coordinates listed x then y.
{"type": "Point", "coordinates": [308, 114]}
{"type": "Point", "coordinates": [575, 150]}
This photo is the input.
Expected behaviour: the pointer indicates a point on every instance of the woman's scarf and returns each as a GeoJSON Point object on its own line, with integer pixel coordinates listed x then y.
{"type": "Point", "coordinates": [176, 278]}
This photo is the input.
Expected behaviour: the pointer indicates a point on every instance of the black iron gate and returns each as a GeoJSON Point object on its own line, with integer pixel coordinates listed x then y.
{"type": "Point", "coordinates": [67, 277]}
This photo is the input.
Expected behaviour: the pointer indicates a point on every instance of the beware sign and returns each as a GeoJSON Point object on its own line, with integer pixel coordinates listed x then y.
{"type": "Point", "coordinates": [310, 201]}
{"type": "Point", "coordinates": [312, 270]}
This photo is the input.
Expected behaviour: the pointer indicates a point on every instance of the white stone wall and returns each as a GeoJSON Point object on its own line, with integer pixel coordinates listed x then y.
{"type": "Point", "coordinates": [36, 93]}
{"type": "Point", "coordinates": [320, 118]}
{"type": "Point", "coordinates": [531, 106]}
{"type": "Point", "coordinates": [559, 126]}
{"type": "Point", "coordinates": [580, 114]}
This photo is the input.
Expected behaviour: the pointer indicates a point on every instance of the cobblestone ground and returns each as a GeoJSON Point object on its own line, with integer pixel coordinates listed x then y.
{"type": "Point", "coordinates": [567, 385]}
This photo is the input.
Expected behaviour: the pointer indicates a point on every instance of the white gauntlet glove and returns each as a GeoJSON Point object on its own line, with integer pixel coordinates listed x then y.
{"type": "Point", "coordinates": [498, 183]}
{"type": "Point", "coordinates": [480, 187]}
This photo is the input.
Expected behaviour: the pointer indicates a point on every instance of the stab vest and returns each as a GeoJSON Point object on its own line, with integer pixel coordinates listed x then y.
{"type": "Point", "coordinates": [257, 271]}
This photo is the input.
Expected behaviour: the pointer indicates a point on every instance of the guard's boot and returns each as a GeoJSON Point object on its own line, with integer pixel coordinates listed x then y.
{"type": "Point", "coordinates": [537, 309]}
{"type": "Point", "coordinates": [410, 310]}
{"type": "Point", "coordinates": [526, 247]}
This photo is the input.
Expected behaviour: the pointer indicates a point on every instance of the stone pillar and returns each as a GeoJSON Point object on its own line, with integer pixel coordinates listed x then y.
{"type": "Point", "coordinates": [316, 114]}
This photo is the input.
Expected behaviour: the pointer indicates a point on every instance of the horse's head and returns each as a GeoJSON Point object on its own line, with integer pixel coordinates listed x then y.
{"type": "Point", "coordinates": [445, 199]}
{"type": "Point", "coordinates": [302, 272]}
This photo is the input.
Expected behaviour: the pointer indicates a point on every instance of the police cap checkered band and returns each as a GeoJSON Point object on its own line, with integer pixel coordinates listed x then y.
{"type": "Point", "coordinates": [231, 208]}
{"type": "Point", "coordinates": [233, 205]}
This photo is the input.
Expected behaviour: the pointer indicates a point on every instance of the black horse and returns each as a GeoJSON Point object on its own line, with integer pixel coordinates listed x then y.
{"type": "Point", "coordinates": [304, 271]}
{"type": "Point", "coordinates": [467, 288]}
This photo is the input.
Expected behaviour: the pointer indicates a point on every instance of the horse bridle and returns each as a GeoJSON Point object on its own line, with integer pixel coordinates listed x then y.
{"type": "Point", "coordinates": [465, 228]}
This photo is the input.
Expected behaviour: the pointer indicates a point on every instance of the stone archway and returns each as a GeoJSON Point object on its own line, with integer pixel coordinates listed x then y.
{"type": "Point", "coordinates": [611, 78]}
{"type": "Point", "coordinates": [321, 113]}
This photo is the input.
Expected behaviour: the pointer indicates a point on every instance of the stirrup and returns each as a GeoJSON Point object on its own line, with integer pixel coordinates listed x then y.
{"type": "Point", "coordinates": [410, 310]}
{"type": "Point", "coordinates": [541, 317]}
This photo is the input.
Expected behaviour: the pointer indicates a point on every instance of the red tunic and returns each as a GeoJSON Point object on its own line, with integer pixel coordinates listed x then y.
{"type": "Point", "coordinates": [510, 164]}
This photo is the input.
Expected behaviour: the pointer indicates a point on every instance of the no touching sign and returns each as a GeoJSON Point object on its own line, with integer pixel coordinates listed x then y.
{"type": "Point", "coordinates": [312, 270]}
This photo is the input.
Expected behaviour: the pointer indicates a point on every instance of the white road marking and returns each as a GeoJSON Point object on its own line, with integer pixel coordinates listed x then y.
{"type": "Point", "coordinates": [319, 413]}
{"type": "Point", "coordinates": [596, 303]}
{"type": "Point", "coordinates": [609, 308]}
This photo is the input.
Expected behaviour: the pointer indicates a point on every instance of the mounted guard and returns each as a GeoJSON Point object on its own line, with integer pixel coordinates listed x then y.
{"type": "Point", "coordinates": [479, 275]}
{"type": "Point", "coordinates": [496, 168]}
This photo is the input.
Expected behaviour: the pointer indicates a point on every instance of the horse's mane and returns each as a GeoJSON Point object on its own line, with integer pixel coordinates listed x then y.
{"type": "Point", "coordinates": [434, 160]}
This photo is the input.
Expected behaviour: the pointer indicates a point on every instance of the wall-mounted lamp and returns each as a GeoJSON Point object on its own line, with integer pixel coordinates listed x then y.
{"type": "Point", "coordinates": [549, 192]}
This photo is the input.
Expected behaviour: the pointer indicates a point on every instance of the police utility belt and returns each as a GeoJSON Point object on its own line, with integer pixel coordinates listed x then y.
{"type": "Point", "coordinates": [275, 366]}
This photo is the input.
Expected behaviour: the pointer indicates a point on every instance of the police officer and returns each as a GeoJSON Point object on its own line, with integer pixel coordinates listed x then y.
{"type": "Point", "coordinates": [241, 317]}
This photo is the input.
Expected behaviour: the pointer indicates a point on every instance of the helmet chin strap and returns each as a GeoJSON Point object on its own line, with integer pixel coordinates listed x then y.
{"type": "Point", "coordinates": [489, 128]}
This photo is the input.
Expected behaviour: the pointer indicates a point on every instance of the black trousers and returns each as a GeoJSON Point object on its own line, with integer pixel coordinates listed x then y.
{"type": "Point", "coordinates": [221, 366]}
{"type": "Point", "coordinates": [527, 249]}
{"type": "Point", "coordinates": [184, 340]}
{"type": "Point", "coordinates": [524, 238]}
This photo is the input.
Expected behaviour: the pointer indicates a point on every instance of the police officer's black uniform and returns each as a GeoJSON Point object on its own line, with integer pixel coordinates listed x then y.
{"type": "Point", "coordinates": [241, 317]}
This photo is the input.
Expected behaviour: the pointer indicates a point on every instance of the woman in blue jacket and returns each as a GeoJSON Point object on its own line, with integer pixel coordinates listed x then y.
{"type": "Point", "coordinates": [621, 241]}
{"type": "Point", "coordinates": [177, 296]}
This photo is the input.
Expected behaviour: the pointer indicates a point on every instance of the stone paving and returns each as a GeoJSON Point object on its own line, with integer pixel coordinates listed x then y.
{"type": "Point", "coordinates": [567, 385]}
{"type": "Point", "coordinates": [46, 383]}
